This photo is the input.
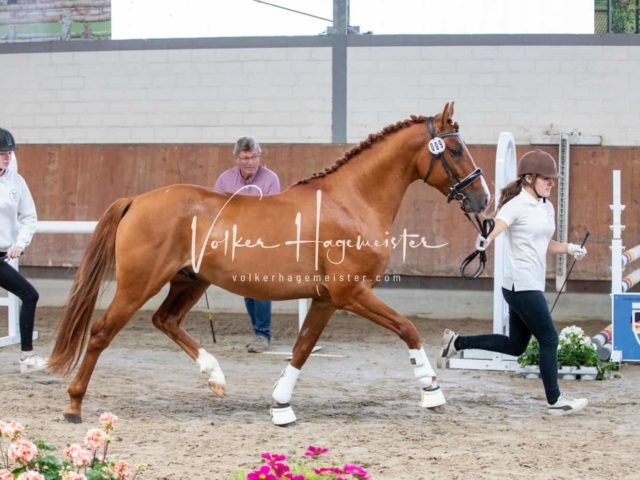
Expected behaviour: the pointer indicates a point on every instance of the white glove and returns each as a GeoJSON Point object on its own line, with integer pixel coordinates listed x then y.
{"type": "Point", "coordinates": [577, 251]}
{"type": "Point", "coordinates": [482, 243]}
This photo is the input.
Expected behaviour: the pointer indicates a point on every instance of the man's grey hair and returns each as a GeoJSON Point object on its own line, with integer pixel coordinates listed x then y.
{"type": "Point", "coordinates": [246, 144]}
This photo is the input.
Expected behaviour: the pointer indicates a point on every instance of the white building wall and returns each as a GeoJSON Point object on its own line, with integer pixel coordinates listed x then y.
{"type": "Point", "coordinates": [284, 95]}
{"type": "Point", "coordinates": [527, 90]}
{"type": "Point", "coordinates": [167, 96]}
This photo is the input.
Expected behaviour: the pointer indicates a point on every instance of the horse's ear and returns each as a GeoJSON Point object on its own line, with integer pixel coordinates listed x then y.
{"type": "Point", "coordinates": [451, 109]}
{"type": "Point", "coordinates": [444, 116]}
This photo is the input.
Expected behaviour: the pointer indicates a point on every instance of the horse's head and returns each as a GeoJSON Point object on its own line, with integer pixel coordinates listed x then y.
{"type": "Point", "coordinates": [448, 166]}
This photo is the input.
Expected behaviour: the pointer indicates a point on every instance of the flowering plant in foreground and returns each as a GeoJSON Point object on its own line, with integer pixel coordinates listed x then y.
{"type": "Point", "coordinates": [575, 349]}
{"type": "Point", "coordinates": [311, 468]}
{"type": "Point", "coordinates": [26, 460]}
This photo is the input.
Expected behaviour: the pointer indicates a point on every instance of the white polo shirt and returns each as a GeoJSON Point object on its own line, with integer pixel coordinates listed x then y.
{"type": "Point", "coordinates": [531, 226]}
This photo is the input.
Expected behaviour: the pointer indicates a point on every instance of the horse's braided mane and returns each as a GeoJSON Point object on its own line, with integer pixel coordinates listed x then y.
{"type": "Point", "coordinates": [365, 144]}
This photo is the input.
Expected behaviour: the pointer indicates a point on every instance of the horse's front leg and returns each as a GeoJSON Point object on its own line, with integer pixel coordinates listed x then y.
{"type": "Point", "coordinates": [362, 301]}
{"type": "Point", "coordinates": [317, 318]}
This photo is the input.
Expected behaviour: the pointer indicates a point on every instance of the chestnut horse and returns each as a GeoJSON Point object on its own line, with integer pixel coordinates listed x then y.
{"type": "Point", "coordinates": [329, 230]}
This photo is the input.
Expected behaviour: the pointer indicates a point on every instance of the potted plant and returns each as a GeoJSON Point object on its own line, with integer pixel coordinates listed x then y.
{"type": "Point", "coordinates": [577, 355]}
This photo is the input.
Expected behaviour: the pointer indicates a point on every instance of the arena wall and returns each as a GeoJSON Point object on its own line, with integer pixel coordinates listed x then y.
{"type": "Point", "coordinates": [102, 120]}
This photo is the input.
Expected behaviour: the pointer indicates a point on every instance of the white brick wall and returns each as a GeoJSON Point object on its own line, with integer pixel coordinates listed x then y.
{"type": "Point", "coordinates": [284, 94]}
{"type": "Point", "coordinates": [160, 96]}
{"type": "Point", "coordinates": [524, 90]}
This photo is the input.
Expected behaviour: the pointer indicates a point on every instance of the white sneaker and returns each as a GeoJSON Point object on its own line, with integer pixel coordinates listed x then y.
{"type": "Point", "coordinates": [448, 349]}
{"type": "Point", "coordinates": [32, 363]}
{"type": "Point", "coordinates": [566, 405]}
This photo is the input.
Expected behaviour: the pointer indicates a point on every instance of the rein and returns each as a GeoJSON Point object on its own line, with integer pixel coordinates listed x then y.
{"type": "Point", "coordinates": [485, 228]}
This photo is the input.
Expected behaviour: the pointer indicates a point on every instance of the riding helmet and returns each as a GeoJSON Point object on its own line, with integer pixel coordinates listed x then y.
{"type": "Point", "coordinates": [538, 162]}
{"type": "Point", "coordinates": [7, 142]}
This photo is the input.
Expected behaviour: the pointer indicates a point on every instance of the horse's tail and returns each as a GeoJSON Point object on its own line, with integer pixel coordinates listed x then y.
{"type": "Point", "coordinates": [98, 262]}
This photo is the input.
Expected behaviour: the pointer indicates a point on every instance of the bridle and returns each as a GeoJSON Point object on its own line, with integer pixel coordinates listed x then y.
{"type": "Point", "coordinates": [437, 148]}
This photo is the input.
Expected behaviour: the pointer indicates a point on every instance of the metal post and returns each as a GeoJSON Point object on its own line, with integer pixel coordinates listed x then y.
{"type": "Point", "coordinates": [340, 17]}
{"type": "Point", "coordinates": [610, 15]}
{"type": "Point", "coordinates": [339, 71]}
{"type": "Point", "coordinates": [563, 208]}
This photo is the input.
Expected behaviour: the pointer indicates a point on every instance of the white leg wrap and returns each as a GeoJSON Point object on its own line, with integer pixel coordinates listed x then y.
{"type": "Point", "coordinates": [209, 364]}
{"type": "Point", "coordinates": [283, 389]}
{"type": "Point", "coordinates": [422, 370]}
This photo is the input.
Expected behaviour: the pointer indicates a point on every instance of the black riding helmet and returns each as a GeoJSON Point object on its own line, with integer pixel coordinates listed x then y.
{"type": "Point", "coordinates": [7, 142]}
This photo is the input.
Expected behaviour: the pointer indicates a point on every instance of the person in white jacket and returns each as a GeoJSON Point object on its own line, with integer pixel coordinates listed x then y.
{"type": "Point", "coordinates": [17, 225]}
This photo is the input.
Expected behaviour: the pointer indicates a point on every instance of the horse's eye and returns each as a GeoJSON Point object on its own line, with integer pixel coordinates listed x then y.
{"type": "Point", "coordinates": [457, 152]}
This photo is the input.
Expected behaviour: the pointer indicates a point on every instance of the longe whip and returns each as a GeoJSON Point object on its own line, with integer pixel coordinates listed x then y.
{"type": "Point", "coordinates": [213, 334]}
{"type": "Point", "coordinates": [567, 277]}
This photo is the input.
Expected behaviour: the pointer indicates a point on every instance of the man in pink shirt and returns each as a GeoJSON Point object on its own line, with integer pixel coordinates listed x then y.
{"type": "Point", "coordinates": [249, 172]}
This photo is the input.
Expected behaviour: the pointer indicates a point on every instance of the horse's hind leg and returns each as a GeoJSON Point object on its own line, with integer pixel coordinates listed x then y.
{"type": "Point", "coordinates": [183, 295]}
{"type": "Point", "coordinates": [317, 318]}
{"type": "Point", "coordinates": [123, 306]}
{"type": "Point", "coordinates": [362, 301]}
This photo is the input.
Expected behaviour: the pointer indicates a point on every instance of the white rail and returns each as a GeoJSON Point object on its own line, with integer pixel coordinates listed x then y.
{"type": "Point", "coordinates": [70, 228]}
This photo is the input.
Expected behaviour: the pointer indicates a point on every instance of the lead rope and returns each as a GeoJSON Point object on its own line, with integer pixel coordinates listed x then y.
{"type": "Point", "coordinates": [485, 228]}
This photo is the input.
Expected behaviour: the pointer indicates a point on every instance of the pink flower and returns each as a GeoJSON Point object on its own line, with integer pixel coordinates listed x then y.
{"type": "Point", "coordinates": [291, 476]}
{"type": "Point", "coordinates": [5, 475]}
{"type": "Point", "coordinates": [273, 457]}
{"type": "Point", "coordinates": [357, 471]}
{"type": "Point", "coordinates": [315, 451]}
{"type": "Point", "coordinates": [74, 476]}
{"type": "Point", "coordinates": [12, 431]}
{"type": "Point", "coordinates": [95, 439]}
{"type": "Point", "coordinates": [328, 470]}
{"type": "Point", "coordinates": [108, 421]}
{"type": "Point", "coordinates": [79, 455]}
{"type": "Point", "coordinates": [280, 469]}
{"type": "Point", "coordinates": [263, 473]}
{"type": "Point", "coordinates": [121, 470]}
{"type": "Point", "coordinates": [23, 451]}
{"type": "Point", "coordinates": [30, 475]}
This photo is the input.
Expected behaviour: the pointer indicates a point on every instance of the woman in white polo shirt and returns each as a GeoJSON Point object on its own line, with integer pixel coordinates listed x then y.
{"type": "Point", "coordinates": [17, 226]}
{"type": "Point", "coordinates": [529, 220]}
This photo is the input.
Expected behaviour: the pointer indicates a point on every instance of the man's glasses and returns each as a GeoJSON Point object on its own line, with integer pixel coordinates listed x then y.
{"type": "Point", "coordinates": [249, 159]}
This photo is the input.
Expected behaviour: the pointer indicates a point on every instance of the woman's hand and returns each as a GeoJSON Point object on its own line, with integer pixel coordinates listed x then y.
{"type": "Point", "coordinates": [482, 243]}
{"type": "Point", "coordinates": [15, 252]}
{"type": "Point", "coordinates": [577, 251]}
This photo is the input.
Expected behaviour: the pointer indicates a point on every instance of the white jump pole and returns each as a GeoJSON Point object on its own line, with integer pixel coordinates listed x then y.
{"type": "Point", "coordinates": [616, 251]}
{"type": "Point", "coordinates": [616, 240]}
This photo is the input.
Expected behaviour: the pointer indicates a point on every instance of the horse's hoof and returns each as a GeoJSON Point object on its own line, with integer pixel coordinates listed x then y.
{"type": "Point", "coordinates": [217, 388]}
{"type": "Point", "coordinates": [432, 397]}
{"type": "Point", "coordinates": [438, 409]}
{"type": "Point", "coordinates": [283, 416]}
{"type": "Point", "coordinates": [73, 418]}
{"type": "Point", "coordinates": [292, 424]}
